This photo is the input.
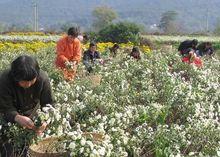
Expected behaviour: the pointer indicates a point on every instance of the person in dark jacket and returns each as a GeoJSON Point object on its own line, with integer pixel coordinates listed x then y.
{"type": "Point", "coordinates": [135, 53]}
{"type": "Point", "coordinates": [22, 88]}
{"type": "Point", "coordinates": [205, 48]}
{"type": "Point", "coordinates": [91, 57]}
{"type": "Point", "coordinates": [113, 50]}
{"type": "Point", "coordinates": [186, 46]}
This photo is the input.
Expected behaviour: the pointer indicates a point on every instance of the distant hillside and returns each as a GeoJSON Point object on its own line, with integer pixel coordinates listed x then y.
{"type": "Point", "coordinates": [193, 14]}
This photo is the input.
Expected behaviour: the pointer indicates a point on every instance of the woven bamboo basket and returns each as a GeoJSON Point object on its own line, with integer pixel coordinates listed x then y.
{"type": "Point", "coordinates": [96, 137]}
{"type": "Point", "coordinates": [95, 80]}
{"type": "Point", "coordinates": [45, 148]}
{"type": "Point", "coordinates": [41, 148]}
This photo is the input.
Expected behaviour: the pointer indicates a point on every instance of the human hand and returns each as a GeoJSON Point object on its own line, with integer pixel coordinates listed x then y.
{"type": "Point", "coordinates": [101, 61]}
{"type": "Point", "coordinates": [192, 56]}
{"type": "Point", "coordinates": [39, 131]}
{"type": "Point", "coordinates": [74, 62]}
{"type": "Point", "coordinates": [90, 69]}
{"type": "Point", "coordinates": [25, 121]}
{"type": "Point", "coordinates": [70, 65]}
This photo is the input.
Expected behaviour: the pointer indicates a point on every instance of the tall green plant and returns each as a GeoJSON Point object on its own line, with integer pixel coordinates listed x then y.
{"type": "Point", "coordinates": [121, 32]}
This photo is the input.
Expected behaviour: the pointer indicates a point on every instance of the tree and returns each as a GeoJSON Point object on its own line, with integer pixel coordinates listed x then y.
{"type": "Point", "coordinates": [20, 28]}
{"type": "Point", "coordinates": [65, 26]}
{"type": "Point", "coordinates": [168, 22]}
{"type": "Point", "coordinates": [26, 28]}
{"type": "Point", "coordinates": [103, 16]}
{"type": "Point", "coordinates": [12, 28]}
{"type": "Point", "coordinates": [121, 32]}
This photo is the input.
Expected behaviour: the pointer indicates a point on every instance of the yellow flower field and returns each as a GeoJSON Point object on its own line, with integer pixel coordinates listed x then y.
{"type": "Point", "coordinates": [34, 46]}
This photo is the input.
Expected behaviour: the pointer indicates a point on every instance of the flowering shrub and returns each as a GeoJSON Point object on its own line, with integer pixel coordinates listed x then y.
{"type": "Point", "coordinates": [29, 47]}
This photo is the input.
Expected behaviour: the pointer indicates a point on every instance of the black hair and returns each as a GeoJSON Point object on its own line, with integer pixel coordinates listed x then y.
{"type": "Point", "coordinates": [24, 68]}
{"type": "Point", "coordinates": [116, 46]}
{"type": "Point", "coordinates": [85, 37]}
{"type": "Point", "coordinates": [73, 31]}
{"type": "Point", "coordinates": [135, 49]}
{"type": "Point", "coordinates": [208, 43]}
{"type": "Point", "coordinates": [92, 44]}
{"type": "Point", "coordinates": [135, 53]}
{"type": "Point", "coordinates": [195, 41]}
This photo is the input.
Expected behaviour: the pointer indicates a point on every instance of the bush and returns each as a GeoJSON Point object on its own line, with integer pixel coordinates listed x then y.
{"type": "Point", "coordinates": [91, 36]}
{"type": "Point", "coordinates": [121, 32]}
{"type": "Point", "coordinates": [147, 42]}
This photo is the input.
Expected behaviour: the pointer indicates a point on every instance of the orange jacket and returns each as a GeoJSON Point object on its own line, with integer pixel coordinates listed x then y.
{"type": "Point", "coordinates": [67, 51]}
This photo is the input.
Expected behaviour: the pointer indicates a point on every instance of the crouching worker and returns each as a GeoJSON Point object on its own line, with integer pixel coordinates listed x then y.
{"type": "Point", "coordinates": [186, 46]}
{"type": "Point", "coordinates": [69, 53]}
{"type": "Point", "coordinates": [135, 53]}
{"type": "Point", "coordinates": [205, 49]}
{"type": "Point", "coordinates": [24, 88]}
{"type": "Point", "coordinates": [192, 58]}
{"type": "Point", "coordinates": [113, 50]}
{"type": "Point", "coordinates": [91, 57]}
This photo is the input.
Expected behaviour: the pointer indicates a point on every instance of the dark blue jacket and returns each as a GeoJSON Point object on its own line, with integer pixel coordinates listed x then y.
{"type": "Point", "coordinates": [89, 58]}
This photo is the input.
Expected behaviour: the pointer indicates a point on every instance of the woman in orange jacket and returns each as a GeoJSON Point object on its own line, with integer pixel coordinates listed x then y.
{"type": "Point", "coordinates": [69, 53]}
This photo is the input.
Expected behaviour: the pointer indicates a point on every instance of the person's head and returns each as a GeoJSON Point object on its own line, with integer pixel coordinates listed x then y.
{"type": "Point", "coordinates": [24, 71]}
{"type": "Point", "coordinates": [208, 45]}
{"type": "Point", "coordinates": [85, 37]}
{"type": "Point", "coordinates": [72, 33]}
{"type": "Point", "coordinates": [92, 47]}
{"type": "Point", "coordinates": [194, 43]}
{"type": "Point", "coordinates": [115, 47]}
{"type": "Point", "coordinates": [135, 50]}
{"type": "Point", "coordinates": [208, 48]}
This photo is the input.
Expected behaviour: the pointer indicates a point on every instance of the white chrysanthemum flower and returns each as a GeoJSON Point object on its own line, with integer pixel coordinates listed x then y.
{"type": "Point", "coordinates": [95, 152]}
{"type": "Point", "coordinates": [125, 140]}
{"type": "Point", "coordinates": [79, 136]}
{"type": "Point", "coordinates": [114, 129]}
{"type": "Point", "coordinates": [57, 116]}
{"type": "Point", "coordinates": [192, 153]}
{"type": "Point", "coordinates": [98, 116]}
{"type": "Point", "coordinates": [81, 150]}
{"type": "Point", "coordinates": [65, 98]}
{"type": "Point", "coordinates": [90, 144]}
{"type": "Point", "coordinates": [72, 145]}
{"type": "Point", "coordinates": [112, 121]}
{"type": "Point", "coordinates": [218, 152]}
{"type": "Point", "coordinates": [77, 88]}
{"type": "Point", "coordinates": [101, 151]}
{"type": "Point", "coordinates": [118, 115]}
{"type": "Point", "coordinates": [104, 118]}
{"type": "Point", "coordinates": [72, 154]}
{"type": "Point", "coordinates": [83, 142]}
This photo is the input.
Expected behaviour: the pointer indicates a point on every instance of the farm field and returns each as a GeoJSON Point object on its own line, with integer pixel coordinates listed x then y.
{"type": "Point", "coordinates": [155, 107]}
